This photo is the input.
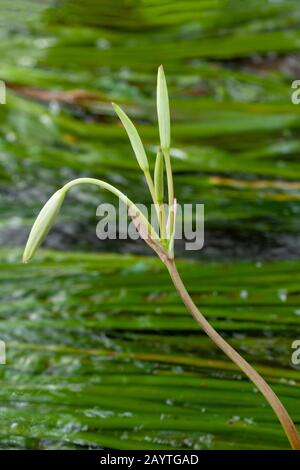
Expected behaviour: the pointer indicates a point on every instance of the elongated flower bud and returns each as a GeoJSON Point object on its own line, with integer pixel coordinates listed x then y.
{"type": "Point", "coordinates": [159, 177]}
{"type": "Point", "coordinates": [134, 138]}
{"type": "Point", "coordinates": [163, 110]}
{"type": "Point", "coordinates": [43, 223]}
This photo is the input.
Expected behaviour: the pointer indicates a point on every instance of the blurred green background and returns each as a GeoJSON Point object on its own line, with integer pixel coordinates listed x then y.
{"type": "Point", "coordinates": [100, 351]}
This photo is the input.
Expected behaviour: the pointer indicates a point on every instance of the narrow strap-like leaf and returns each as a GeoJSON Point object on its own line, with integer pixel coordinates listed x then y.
{"type": "Point", "coordinates": [134, 138]}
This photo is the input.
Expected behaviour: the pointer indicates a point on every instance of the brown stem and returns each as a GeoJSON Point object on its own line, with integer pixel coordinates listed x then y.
{"type": "Point", "coordinates": [260, 383]}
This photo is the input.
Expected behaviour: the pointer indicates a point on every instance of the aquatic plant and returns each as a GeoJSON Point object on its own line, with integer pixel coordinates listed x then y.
{"type": "Point", "coordinates": [163, 242]}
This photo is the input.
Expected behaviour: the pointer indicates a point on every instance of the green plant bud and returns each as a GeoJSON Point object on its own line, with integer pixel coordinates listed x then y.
{"type": "Point", "coordinates": [163, 110]}
{"type": "Point", "coordinates": [43, 223]}
{"type": "Point", "coordinates": [159, 177]}
{"type": "Point", "coordinates": [134, 138]}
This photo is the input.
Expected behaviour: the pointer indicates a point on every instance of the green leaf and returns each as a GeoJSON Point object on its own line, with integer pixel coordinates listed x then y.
{"type": "Point", "coordinates": [134, 138]}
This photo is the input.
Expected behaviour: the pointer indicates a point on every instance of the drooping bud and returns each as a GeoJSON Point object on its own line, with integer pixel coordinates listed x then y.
{"type": "Point", "coordinates": [43, 224]}
{"type": "Point", "coordinates": [163, 110]}
{"type": "Point", "coordinates": [134, 138]}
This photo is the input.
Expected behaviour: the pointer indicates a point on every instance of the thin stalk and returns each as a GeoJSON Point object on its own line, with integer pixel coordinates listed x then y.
{"type": "Point", "coordinates": [119, 194]}
{"type": "Point", "coordinates": [261, 384]}
{"type": "Point", "coordinates": [159, 193]}
{"type": "Point", "coordinates": [150, 184]}
{"type": "Point", "coordinates": [162, 221]}
{"type": "Point", "coordinates": [166, 153]}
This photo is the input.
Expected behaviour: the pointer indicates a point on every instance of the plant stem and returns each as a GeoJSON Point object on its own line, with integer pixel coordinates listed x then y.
{"type": "Point", "coordinates": [150, 184]}
{"type": "Point", "coordinates": [119, 194]}
{"type": "Point", "coordinates": [166, 153]}
{"type": "Point", "coordinates": [152, 192]}
{"type": "Point", "coordinates": [162, 221]}
{"type": "Point", "coordinates": [260, 383]}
